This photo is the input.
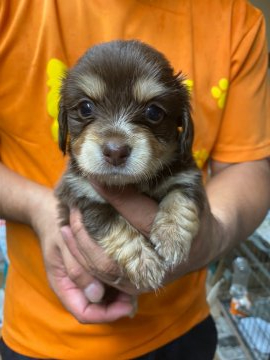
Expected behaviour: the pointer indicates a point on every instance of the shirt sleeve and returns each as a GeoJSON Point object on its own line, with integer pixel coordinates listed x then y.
{"type": "Point", "coordinates": [244, 134]}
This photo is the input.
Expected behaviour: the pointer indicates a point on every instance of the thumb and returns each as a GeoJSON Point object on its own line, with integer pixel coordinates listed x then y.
{"type": "Point", "coordinates": [78, 271]}
{"type": "Point", "coordinates": [95, 291]}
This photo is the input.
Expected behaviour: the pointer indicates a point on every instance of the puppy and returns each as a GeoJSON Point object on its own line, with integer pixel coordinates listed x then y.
{"type": "Point", "coordinates": [121, 108]}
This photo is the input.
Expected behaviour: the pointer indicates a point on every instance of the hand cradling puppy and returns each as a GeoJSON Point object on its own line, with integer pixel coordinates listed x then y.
{"type": "Point", "coordinates": [120, 111]}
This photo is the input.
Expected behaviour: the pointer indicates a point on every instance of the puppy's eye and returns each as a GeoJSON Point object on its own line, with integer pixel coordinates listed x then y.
{"type": "Point", "coordinates": [154, 113]}
{"type": "Point", "coordinates": [85, 109]}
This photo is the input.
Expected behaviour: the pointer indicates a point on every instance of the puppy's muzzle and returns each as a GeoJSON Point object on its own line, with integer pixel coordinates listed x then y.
{"type": "Point", "coordinates": [116, 152]}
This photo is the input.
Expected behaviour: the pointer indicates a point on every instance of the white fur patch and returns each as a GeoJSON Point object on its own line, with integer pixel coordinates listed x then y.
{"type": "Point", "coordinates": [92, 85]}
{"type": "Point", "coordinates": [148, 88]}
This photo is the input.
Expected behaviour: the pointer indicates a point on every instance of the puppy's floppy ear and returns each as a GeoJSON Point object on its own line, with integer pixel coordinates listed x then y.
{"type": "Point", "coordinates": [185, 122]}
{"type": "Point", "coordinates": [186, 131]}
{"type": "Point", "coordinates": [63, 127]}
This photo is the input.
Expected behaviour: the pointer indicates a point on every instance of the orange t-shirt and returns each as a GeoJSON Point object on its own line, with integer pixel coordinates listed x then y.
{"type": "Point", "coordinates": [219, 45]}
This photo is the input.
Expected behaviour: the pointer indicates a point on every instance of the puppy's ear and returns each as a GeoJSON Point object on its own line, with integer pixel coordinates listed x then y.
{"type": "Point", "coordinates": [63, 128]}
{"type": "Point", "coordinates": [186, 132]}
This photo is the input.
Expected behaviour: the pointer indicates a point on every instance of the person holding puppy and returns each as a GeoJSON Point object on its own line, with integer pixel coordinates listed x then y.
{"type": "Point", "coordinates": [57, 276]}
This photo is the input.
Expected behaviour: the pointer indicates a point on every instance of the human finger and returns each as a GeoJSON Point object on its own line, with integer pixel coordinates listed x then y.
{"type": "Point", "coordinates": [76, 302]}
{"type": "Point", "coordinates": [93, 289]}
{"type": "Point", "coordinates": [92, 256]}
{"type": "Point", "coordinates": [139, 209]}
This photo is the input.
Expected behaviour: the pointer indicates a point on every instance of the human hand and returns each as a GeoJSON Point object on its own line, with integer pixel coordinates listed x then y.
{"type": "Point", "coordinates": [93, 258]}
{"type": "Point", "coordinates": [69, 280]}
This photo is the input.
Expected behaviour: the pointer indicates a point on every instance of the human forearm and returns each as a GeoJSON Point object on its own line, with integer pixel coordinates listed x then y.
{"type": "Point", "coordinates": [239, 196]}
{"type": "Point", "coordinates": [20, 198]}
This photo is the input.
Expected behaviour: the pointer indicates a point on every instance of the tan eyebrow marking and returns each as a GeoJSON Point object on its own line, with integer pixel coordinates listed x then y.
{"type": "Point", "coordinates": [92, 85]}
{"type": "Point", "coordinates": [146, 89]}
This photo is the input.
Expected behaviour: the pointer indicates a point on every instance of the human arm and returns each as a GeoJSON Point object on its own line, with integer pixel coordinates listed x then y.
{"type": "Point", "coordinates": [25, 201]}
{"type": "Point", "coordinates": [239, 197]}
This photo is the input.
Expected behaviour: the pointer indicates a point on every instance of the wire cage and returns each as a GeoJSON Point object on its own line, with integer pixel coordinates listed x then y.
{"type": "Point", "coordinates": [252, 328]}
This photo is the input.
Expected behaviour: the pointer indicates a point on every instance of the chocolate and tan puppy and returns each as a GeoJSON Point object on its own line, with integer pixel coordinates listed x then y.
{"type": "Point", "coordinates": [121, 109]}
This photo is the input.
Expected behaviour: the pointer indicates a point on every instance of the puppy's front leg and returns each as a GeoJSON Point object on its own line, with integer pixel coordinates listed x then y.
{"type": "Point", "coordinates": [175, 226]}
{"type": "Point", "coordinates": [134, 254]}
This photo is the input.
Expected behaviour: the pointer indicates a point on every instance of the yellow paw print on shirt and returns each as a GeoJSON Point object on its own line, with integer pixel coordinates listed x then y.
{"type": "Point", "coordinates": [189, 84]}
{"type": "Point", "coordinates": [200, 157]}
{"type": "Point", "coordinates": [220, 92]}
{"type": "Point", "coordinates": [56, 70]}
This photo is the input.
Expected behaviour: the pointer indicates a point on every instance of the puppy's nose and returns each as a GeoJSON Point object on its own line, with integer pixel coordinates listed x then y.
{"type": "Point", "coordinates": [115, 152]}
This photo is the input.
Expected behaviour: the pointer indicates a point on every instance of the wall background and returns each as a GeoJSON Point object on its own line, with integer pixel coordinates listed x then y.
{"type": "Point", "coordinates": [264, 5]}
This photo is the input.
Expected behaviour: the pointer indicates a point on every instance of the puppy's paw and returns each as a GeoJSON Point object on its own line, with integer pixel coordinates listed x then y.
{"type": "Point", "coordinates": [174, 228]}
{"type": "Point", "coordinates": [145, 270]}
{"type": "Point", "coordinates": [135, 256]}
